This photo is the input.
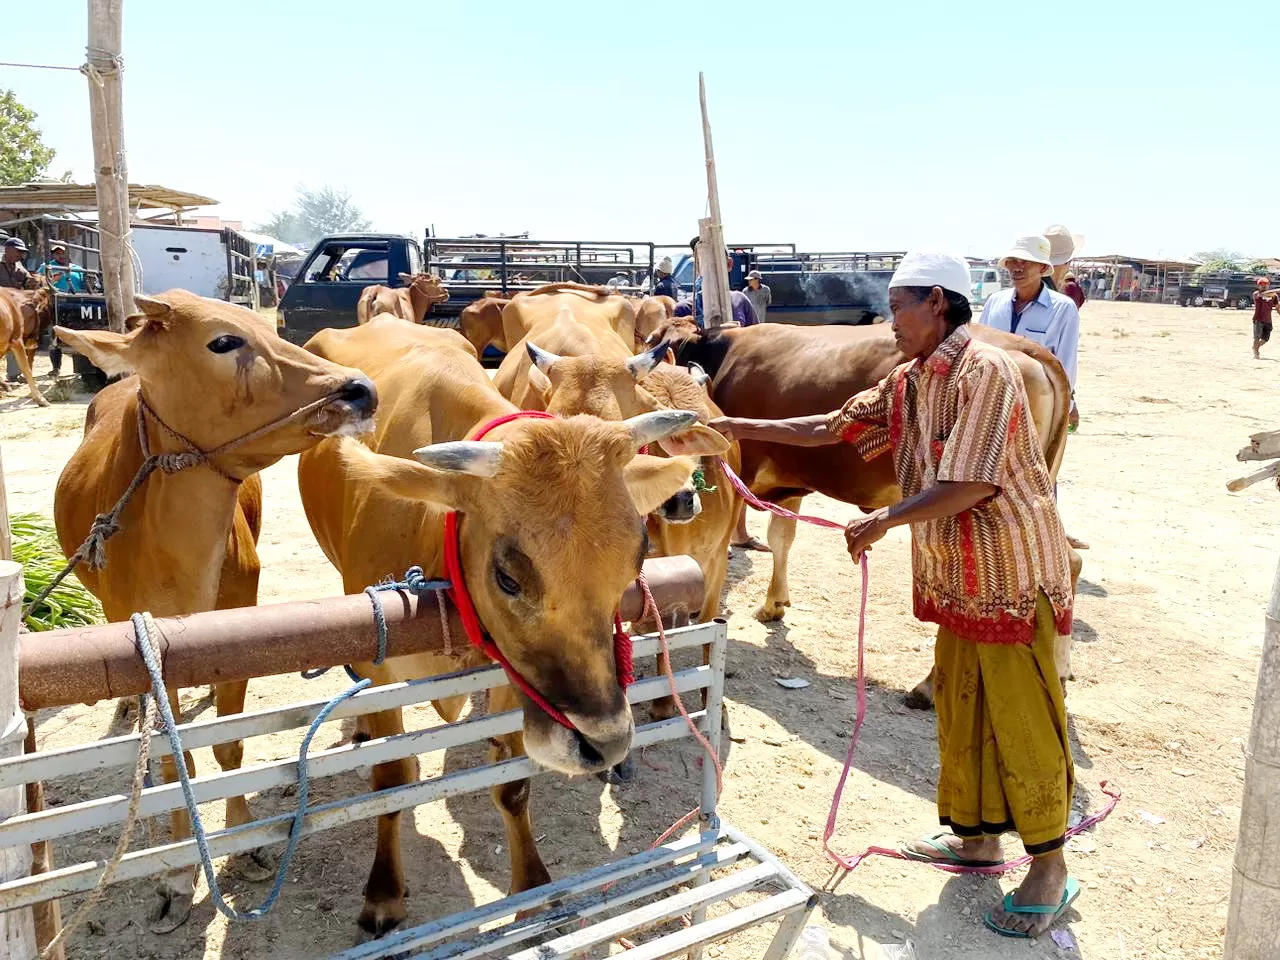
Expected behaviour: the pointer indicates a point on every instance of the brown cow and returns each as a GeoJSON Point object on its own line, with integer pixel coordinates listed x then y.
{"type": "Point", "coordinates": [652, 314]}
{"type": "Point", "coordinates": [551, 534]}
{"type": "Point", "coordinates": [481, 323]}
{"type": "Point", "coordinates": [23, 314]}
{"type": "Point", "coordinates": [210, 372]}
{"type": "Point", "coordinates": [411, 302]}
{"type": "Point", "coordinates": [776, 371]}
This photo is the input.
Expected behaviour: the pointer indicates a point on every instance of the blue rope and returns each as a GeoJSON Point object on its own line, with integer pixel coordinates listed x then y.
{"type": "Point", "coordinates": [414, 581]}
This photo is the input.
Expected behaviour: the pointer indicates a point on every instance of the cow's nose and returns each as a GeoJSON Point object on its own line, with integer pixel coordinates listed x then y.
{"type": "Point", "coordinates": [361, 394]}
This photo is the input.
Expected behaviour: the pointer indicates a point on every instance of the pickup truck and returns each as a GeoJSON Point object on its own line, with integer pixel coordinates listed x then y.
{"type": "Point", "coordinates": [327, 287]}
{"type": "Point", "coordinates": [214, 263]}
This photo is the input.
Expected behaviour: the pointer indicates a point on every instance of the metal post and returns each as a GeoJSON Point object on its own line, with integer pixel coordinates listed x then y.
{"type": "Point", "coordinates": [106, 114]}
{"type": "Point", "coordinates": [1253, 918]}
{"type": "Point", "coordinates": [712, 727]}
{"type": "Point", "coordinates": [17, 927]}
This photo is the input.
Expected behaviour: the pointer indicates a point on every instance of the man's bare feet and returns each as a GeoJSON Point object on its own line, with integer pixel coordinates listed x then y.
{"type": "Point", "coordinates": [1044, 885]}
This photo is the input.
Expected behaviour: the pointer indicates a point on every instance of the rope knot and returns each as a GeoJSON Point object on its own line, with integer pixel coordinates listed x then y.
{"type": "Point", "coordinates": [177, 462]}
{"type": "Point", "coordinates": [105, 526]}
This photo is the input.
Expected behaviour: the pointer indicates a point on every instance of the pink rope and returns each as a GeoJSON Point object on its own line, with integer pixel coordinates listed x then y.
{"type": "Point", "coordinates": [845, 861]}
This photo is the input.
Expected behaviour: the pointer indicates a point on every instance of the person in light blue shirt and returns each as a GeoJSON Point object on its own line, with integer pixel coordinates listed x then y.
{"type": "Point", "coordinates": [1031, 309]}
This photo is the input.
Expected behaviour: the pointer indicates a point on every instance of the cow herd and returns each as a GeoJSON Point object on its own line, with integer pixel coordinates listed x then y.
{"type": "Point", "coordinates": [399, 428]}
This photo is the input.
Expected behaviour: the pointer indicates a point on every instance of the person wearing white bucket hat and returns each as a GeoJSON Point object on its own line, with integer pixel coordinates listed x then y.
{"type": "Point", "coordinates": [1032, 309]}
{"type": "Point", "coordinates": [664, 284]}
{"type": "Point", "coordinates": [990, 567]}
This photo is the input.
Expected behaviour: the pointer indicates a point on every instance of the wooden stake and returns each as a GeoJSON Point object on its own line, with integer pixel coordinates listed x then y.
{"type": "Point", "coordinates": [106, 114]}
{"type": "Point", "coordinates": [717, 307]}
{"type": "Point", "coordinates": [17, 927]}
{"type": "Point", "coordinates": [1253, 918]}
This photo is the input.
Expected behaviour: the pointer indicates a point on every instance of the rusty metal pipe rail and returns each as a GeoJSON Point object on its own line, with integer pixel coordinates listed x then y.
{"type": "Point", "coordinates": [85, 665]}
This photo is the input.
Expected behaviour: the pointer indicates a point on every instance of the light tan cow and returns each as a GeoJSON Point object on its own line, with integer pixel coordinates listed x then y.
{"type": "Point", "coordinates": [481, 323]}
{"type": "Point", "coordinates": [551, 533]}
{"type": "Point", "coordinates": [412, 302]}
{"type": "Point", "coordinates": [652, 313]}
{"type": "Point", "coordinates": [210, 373]}
{"type": "Point", "coordinates": [23, 314]}
{"type": "Point", "coordinates": [596, 305]}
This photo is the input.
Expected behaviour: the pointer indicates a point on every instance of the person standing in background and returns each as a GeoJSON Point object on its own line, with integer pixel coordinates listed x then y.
{"type": "Point", "coordinates": [13, 272]}
{"type": "Point", "coordinates": [665, 284]}
{"type": "Point", "coordinates": [1264, 302]}
{"type": "Point", "coordinates": [1074, 290]}
{"type": "Point", "coordinates": [759, 294]}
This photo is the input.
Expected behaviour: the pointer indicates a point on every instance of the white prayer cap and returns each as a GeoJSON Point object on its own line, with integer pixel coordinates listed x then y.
{"type": "Point", "coordinates": [933, 269]}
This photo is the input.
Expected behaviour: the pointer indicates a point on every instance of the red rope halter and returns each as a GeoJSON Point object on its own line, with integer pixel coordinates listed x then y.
{"type": "Point", "coordinates": [475, 631]}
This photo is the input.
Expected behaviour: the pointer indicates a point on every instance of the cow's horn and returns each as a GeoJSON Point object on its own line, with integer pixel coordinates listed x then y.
{"type": "Point", "coordinates": [652, 427]}
{"type": "Point", "coordinates": [642, 364]}
{"type": "Point", "coordinates": [151, 306]}
{"type": "Point", "coordinates": [480, 458]}
{"type": "Point", "coordinates": [542, 359]}
{"type": "Point", "coordinates": [700, 376]}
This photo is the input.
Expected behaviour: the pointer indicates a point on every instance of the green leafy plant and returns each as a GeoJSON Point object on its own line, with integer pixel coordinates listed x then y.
{"type": "Point", "coordinates": [35, 546]}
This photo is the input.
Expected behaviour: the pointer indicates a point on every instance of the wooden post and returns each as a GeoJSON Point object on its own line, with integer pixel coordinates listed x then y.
{"type": "Point", "coordinates": [1253, 918]}
{"type": "Point", "coordinates": [17, 927]}
{"type": "Point", "coordinates": [106, 114]}
{"type": "Point", "coordinates": [717, 307]}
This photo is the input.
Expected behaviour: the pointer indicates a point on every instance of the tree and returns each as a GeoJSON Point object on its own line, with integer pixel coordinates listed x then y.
{"type": "Point", "coordinates": [23, 155]}
{"type": "Point", "coordinates": [316, 213]}
{"type": "Point", "coordinates": [1219, 261]}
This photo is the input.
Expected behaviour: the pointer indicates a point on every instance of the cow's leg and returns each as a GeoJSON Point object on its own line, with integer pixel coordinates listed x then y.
{"type": "Point", "coordinates": [921, 696]}
{"type": "Point", "coordinates": [1062, 649]}
{"type": "Point", "coordinates": [782, 533]}
{"type": "Point", "coordinates": [175, 889]}
{"type": "Point", "coordinates": [256, 865]}
{"type": "Point", "coordinates": [384, 892]}
{"type": "Point", "coordinates": [664, 708]}
{"type": "Point", "coordinates": [19, 351]}
{"type": "Point", "coordinates": [512, 801]}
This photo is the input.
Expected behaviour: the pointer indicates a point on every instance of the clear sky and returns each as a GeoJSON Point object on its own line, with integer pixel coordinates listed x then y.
{"type": "Point", "coordinates": [839, 126]}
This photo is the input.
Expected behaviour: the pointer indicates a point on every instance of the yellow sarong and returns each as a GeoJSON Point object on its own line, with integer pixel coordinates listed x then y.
{"type": "Point", "coordinates": [1002, 737]}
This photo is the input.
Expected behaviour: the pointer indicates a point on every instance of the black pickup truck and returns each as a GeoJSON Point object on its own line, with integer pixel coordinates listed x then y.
{"type": "Point", "coordinates": [327, 287]}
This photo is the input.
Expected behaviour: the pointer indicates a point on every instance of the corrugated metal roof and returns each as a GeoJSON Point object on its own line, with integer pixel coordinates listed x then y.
{"type": "Point", "coordinates": [80, 197]}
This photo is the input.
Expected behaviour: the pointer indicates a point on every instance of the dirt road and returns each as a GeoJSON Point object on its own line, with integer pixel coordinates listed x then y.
{"type": "Point", "coordinates": [1169, 624]}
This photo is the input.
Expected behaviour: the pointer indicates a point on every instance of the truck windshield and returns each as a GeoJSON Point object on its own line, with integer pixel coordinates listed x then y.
{"type": "Point", "coordinates": [342, 263]}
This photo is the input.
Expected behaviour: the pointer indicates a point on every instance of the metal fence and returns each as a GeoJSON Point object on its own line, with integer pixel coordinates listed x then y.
{"type": "Point", "coordinates": [703, 875]}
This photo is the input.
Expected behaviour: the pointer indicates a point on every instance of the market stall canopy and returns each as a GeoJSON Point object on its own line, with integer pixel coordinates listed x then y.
{"type": "Point", "coordinates": [30, 198]}
{"type": "Point", "coordinates": [268, 246]}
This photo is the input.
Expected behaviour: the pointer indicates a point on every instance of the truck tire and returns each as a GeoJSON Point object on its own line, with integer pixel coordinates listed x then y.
{"type": "Point", "coordinates": [92, 378]}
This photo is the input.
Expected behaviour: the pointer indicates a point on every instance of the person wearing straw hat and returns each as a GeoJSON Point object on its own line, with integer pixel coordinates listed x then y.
{"type": "Point", "coordinates": [1063, 245]}
{"type": "Point", "coordinates": [990, 567]}
{"type": "Point", "coordinates": [1031, 309]}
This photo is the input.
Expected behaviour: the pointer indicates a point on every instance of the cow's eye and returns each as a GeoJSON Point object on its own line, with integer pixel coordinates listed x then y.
{"type": "Point", "coordinates": [506, 583]}
{"type": "Point", "coordinates": [225, 344]}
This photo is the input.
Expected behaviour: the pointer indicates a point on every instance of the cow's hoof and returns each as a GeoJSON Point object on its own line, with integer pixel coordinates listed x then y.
{"type": "Point", "coordinates": [170, 910]}
{"type": "Point", "coordinates": [664, 709]}
{"type": "Point", "coordinates": [41, 401]}
{"type": "Point", "coordinates": [254, 866]}
{"type": "Point", "coordinates": [917, 699]}
{"type": "Point", "coordinates": [379, 919]}
{"type": "Point", "coordinates": [623, 772]}
{"type": "Point", "coordinates": [771, 611]}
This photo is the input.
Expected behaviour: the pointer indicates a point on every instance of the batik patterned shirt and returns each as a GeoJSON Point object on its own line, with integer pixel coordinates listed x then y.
{"type": "Point", "coordinates": [961, 415]}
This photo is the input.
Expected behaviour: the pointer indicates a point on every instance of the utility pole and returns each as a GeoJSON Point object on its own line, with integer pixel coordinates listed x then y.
{"type": "Point", "coordinates": [1253, 916]}
{"type": "Point", "coordinates": [712, 255]}
{"type": "Point", "coordinates": [104, 67]}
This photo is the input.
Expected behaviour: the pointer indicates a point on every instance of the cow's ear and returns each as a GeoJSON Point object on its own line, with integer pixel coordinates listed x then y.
{"type": "Point", "coordinates": [405, 478]}
{"type": "Point", "coordinates": [652, 481]}
{"type": "Point", "coordinates": [540, 382]}
{"type": "Point", "coordinates": [106, 350]}
{"type": "Point", "coordinates": [698, 441]}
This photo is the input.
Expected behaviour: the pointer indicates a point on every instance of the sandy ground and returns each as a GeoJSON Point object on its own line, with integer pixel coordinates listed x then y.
{"type": "Point", "coordinates": [1169, 624]}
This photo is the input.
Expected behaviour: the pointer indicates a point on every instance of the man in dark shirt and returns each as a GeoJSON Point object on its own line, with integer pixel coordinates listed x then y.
{"type": "Point", "coordinates": [1073, 290]}
{"type": "Point", "coordinates": [13, 273]}
{"type": "Point", "coordinates": [1264, 301]}
{"type": "Point", "coordinates": [665, 284]}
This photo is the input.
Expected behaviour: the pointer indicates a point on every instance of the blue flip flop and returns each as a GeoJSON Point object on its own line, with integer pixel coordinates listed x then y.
{"type": "Point", "coordinates": [1069, 894]}
{"type": "Point", "coordinates": [948, 856]}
